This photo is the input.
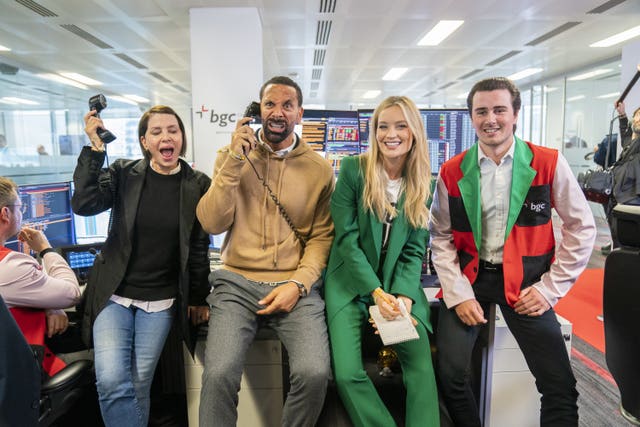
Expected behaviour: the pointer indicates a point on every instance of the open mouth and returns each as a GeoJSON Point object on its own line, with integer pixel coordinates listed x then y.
{"type": "Point", "coordinates": [392, 143]}
{"type": "Point", "coordinates": [166, 153]}
{"type": "Point", "coordinates": [277, 126]}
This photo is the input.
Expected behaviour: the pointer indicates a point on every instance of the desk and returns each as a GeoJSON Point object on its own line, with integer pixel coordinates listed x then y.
{"type": "Point", "coordinates": [510, 396]}
{"type": "Point", "coordinates": [261, 390]}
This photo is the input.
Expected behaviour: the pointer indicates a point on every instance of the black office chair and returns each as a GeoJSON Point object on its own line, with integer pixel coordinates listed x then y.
{"type": "Point", "coordinates": [62, 384]}
{"type": "Point", "coordinates": [59, 393]}
{"type": "Point", "coordinates": [621, 311]}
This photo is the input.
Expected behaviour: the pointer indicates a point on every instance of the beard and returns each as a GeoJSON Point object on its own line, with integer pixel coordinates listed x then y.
{"type": "Point", "coordinates": [277, 137]}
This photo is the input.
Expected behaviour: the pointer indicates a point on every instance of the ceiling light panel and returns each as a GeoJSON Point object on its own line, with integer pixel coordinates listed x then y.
{"type": "Point", "coordinates": [590, 74]}
{"type": "Point", "coordinates": [439, 33]}
{"type": "Point", "coordinates": [59, 79]}
{"type": "Point", "coordinates": [618, 38]}
{"type": "Point", "coordinates": [370, 94]}
{"type": "Point", "coordinates": [524, 73]}
{"type": "Point", "coordinates": [394, 73]}
{"type": "Point", "coordinates": [82, 79]}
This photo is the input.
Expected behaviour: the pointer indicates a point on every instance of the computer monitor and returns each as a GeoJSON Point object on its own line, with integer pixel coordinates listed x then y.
{"type": "Point", "coordinates": [449, 132]}
{"type": "Point", "coordinates": [364, 116]}
{"type": "Point", "coordinates": [91, 229]}
{"type": "Point", "coordinates": [80, 258]}
{"type": "Point", "coordinates": [334, 132]}
{"type": "Point", "coordinates": [47, 208]}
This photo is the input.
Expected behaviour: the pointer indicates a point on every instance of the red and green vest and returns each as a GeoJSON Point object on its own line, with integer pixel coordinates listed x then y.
{"type": "Point", "coordinates": [32, 322]}
{"type": "Point", "coordinates": [529, 246]}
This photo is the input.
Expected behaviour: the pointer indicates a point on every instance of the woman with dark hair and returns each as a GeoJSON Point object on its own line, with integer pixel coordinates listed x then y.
{"type": "Point", "coordinates": [379, 210]}
{"type": "Point", "coordinates": [152, 267]}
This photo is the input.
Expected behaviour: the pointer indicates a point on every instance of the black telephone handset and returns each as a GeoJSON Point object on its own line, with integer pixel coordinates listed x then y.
{"type": "Point", "coordinates": [99, 103]}
{"type": "Point", "coordinates": [253, 111]}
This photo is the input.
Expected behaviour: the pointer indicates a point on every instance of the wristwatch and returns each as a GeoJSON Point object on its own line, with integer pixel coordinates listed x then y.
{"type": "Point", "coordinates": [302, 290]}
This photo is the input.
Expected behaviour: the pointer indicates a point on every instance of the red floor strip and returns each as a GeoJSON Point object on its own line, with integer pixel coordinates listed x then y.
{"type": "Point", "coordinates": [602, 373]}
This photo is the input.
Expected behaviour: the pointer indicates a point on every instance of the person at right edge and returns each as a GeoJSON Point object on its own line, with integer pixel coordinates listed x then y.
{"type": "Point", "coordinates": [380, 214]}
{"type": "Point", "coordinates": [626, 170]}
{"type": "Point", "coordinates": [492, 241]}
{"type": "Point", "coordinates": [271, 274]}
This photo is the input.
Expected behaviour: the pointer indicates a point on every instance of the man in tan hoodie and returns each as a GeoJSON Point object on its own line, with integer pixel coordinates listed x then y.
{"type": "Point", "coordinates": [272, 262]}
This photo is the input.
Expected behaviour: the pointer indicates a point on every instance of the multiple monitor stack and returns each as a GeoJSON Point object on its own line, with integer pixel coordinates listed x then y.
{"type": "Point", "coordinates": [336, 134]}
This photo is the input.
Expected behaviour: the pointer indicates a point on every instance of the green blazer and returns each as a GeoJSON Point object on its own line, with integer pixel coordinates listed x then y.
{"type": "Point", "coordinates": [355, 255]}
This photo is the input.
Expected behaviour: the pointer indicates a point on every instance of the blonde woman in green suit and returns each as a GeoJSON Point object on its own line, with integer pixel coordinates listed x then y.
{"type": "Point", "coordinates": [380, 215]}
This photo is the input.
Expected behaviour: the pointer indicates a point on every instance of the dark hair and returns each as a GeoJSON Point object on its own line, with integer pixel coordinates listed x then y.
{"type": "Point", "coordinates": [143, 125]}
{"type": "Point", "coordinates": [496, 83]}
{"type": "Point", "coordinates": [283, 80]}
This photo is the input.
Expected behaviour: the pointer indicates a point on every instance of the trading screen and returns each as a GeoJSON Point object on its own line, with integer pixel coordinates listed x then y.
{"type": "Point", "coordinates": [449, 133]}
{"type": "Point", "coordinates": [47, 208]}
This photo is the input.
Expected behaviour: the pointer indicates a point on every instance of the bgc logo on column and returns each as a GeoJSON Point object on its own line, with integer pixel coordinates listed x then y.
{"type": "Point", "coordinates": [216, 118]}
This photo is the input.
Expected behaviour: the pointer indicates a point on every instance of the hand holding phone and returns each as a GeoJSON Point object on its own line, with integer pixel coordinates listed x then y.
{"type": "Point", "coordinates": [253, 111]}
{"type": "Point", "coordinates": [244, 139]}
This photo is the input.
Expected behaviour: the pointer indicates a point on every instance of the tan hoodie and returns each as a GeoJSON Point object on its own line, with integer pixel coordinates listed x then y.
{"type": "Point", "coordinates": [259, 243]}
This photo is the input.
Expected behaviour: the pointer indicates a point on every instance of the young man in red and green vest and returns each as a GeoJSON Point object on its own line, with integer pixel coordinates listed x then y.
{"type": "Point", "coordinates": [492, 241]}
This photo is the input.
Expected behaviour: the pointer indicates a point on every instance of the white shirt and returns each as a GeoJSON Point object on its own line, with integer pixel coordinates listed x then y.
{"type": "Point", "coordinates": [495, 188]}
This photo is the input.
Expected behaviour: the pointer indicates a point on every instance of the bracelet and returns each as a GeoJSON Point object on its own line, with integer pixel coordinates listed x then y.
{"type": "Point", "coordinates": [45, 251]}
{"type": "Point", "coordinates": [237, 156]}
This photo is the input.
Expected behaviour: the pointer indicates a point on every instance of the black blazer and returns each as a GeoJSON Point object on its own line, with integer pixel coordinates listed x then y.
{"type": "Point", "coordinates": [119, 187]}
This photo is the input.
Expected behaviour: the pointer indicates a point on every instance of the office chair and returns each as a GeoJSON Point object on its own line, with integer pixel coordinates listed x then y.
{"type": "Point", "coordinates": [62, 384]}
{"type": "Point", "coordinates": [621, 311]}
{"type": "Point", "coordinates": [19, 375]}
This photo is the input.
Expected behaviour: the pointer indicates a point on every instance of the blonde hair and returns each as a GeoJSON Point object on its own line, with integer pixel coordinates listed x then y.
{"type": "Point", "coordinates": [416, 174]}
{"type": "Point", "coordinates": [8, 190]}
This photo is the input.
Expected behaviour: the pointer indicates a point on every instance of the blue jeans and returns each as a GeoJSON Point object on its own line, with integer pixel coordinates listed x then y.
{"type": "Point", "coordinates": [127, 345]}
{"type": "Point", "coordinates": [232, 328]}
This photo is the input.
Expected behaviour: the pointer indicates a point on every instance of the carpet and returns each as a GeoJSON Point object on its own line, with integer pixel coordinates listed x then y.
{"type": "Point", "coordinates": [583, 304]}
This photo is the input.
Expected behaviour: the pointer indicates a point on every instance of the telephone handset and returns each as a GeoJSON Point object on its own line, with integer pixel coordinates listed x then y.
{"type": "Point", "coordinates": [253, 111]}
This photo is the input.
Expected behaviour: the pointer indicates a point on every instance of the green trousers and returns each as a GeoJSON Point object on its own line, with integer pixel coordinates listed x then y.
{"type": "Point", "coordinates": [355, 388]}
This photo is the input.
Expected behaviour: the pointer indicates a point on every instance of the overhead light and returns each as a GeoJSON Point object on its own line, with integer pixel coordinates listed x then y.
{"type": "Point", "coordinates": [548, 89]}
{"type": "Point", "coordinates": [123, 99]}
{"type": "Point", "coordinates": [63, 80]}
{"type": "Point", "coordinates": [370, 94]}
{"type": "Point", "coordinates": [524, 73]}
{"type": "Point", "coordinates": [4, 49]}
{"type": "Point", "coordinates": [608, 95]}
{"type": "Point", "coordinates": [137, 98]}
{"type": "Point", "coordinates": [575, 98]}
{"type": "Point", "coordinates": [82, 79]}
{"type": "Point", "coordinates": [14, 100]}
{"type": "Point", "coordinates": [590, 74]}
{"type": "Point", "coordinates": [441, 31]}
{"type": "Point", "coordinates": [463, 95]}
{"type": "Point", "coordinates": [394, 73]}
{"type": "Point", "coordinates": [618, 38]}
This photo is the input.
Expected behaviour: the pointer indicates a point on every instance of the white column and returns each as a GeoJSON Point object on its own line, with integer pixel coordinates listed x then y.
{"type": "Point", "coordinates": [226, 74]}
